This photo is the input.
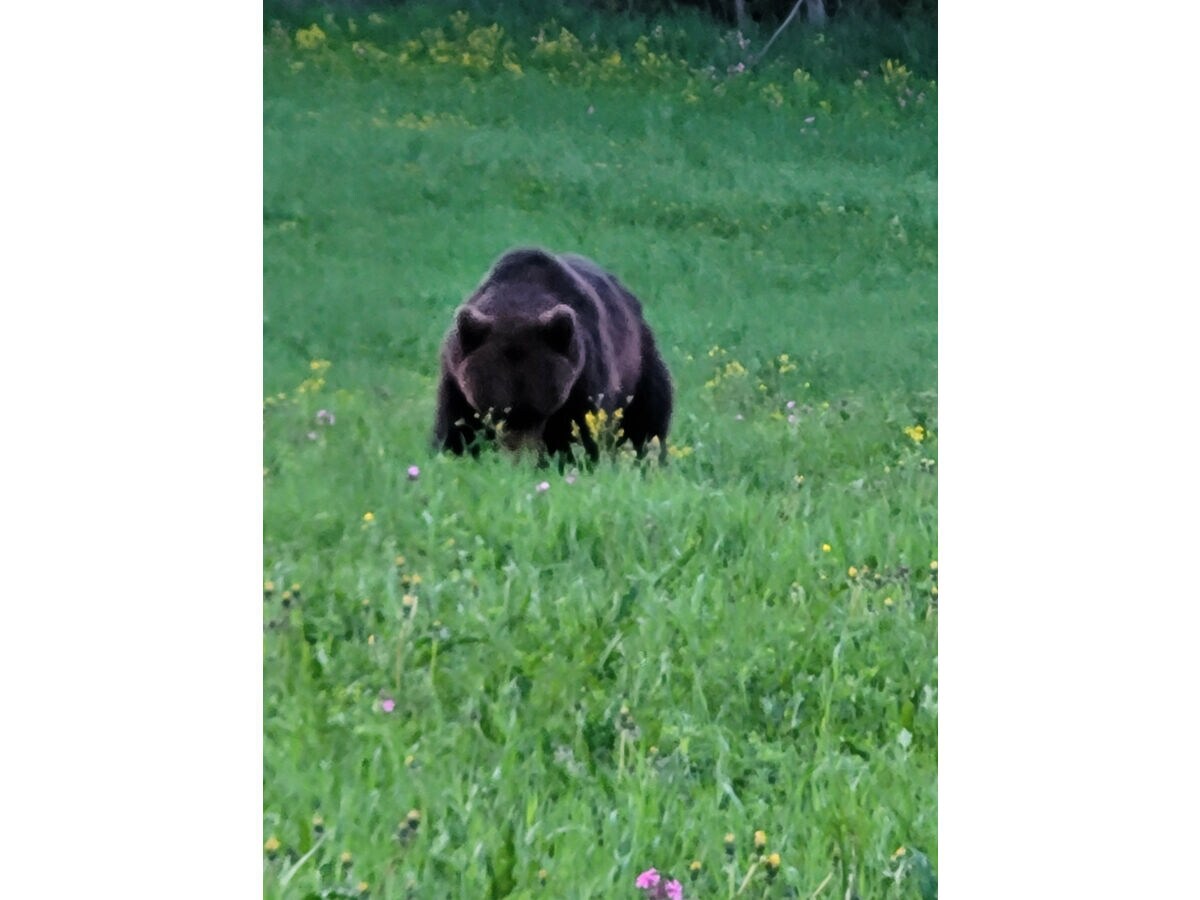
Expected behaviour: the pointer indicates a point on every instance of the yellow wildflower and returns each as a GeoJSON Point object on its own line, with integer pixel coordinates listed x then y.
{"type": "Point", "coordinates": [760, 840]}
{"type": "Point", "coordinates": [272, 845]}
{"type": "Point", "coordinates": [368, 517]}
{"type": "Point", "coordinates": [916, 432]}
{"type": "Point", "coordinates": [825, 548]}
{"type": "Point", "coordinates": [310, 38]}
{"type": "Point", "coordinates": [894, 71]}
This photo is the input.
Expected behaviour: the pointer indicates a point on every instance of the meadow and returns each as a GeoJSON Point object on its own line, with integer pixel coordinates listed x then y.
{"type": "Point", "coordinates": [487, 679]}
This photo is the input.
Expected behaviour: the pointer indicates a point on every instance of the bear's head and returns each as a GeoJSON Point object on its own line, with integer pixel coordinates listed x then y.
{"type": "Point", "coordinates": [517, 367]}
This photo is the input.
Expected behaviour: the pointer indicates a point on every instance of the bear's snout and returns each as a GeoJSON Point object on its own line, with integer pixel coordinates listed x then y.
{"type": "Point", "coordinates": [517, 440]}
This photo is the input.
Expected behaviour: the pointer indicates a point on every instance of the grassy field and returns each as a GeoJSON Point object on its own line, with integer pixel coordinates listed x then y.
{"type": "Point", "coordinates": [495, 680]}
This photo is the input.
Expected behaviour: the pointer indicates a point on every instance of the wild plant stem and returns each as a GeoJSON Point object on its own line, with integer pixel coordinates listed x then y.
{"type": "Point", "coordinates": [287, 876]}
{"type": "Point", "coordinates": [433, 663]}
{"type": "Point", "coordinates": [405, 631]}
{"type": "Point", "coordinates": [821, 886]}
{"type": "Point", "coordinates": [746, 881]}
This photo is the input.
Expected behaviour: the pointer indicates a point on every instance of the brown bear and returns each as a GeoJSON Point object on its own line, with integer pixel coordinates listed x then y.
{"type": "Point", "coordinates": [544, 340]}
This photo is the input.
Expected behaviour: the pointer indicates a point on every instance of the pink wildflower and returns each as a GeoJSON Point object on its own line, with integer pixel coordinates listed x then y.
{"type": "Point", "coordinates": [387, 704]}
{"type": "Point", "coordinates": [808, 120]}
{"type": "Point", "coordinates": [572, 478]}
{"type": "Point", "coordinates": [543, 487]}
{"type": "Point", "coordinates": [325, 417]}
{"type": "Point", "coordinates": [791, 404]}
{"type": "Point", "coordinates": [652, 883]}
{"type": "Point", "coordinates": [413, 473]}
{"type": "Point", "coordinates": [648, 879]}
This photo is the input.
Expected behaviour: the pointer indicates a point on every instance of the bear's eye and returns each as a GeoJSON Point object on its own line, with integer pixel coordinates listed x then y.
{"type": "Point", "coordinates": [514, 354]}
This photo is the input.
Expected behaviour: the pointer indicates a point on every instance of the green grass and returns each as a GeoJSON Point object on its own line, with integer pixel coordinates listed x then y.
{"type": "Point", "coordinates": [764, 606]}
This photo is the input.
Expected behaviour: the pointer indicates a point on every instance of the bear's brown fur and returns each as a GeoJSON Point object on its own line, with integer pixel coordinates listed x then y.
{"type": "Point", "coordinates": [543, 341]}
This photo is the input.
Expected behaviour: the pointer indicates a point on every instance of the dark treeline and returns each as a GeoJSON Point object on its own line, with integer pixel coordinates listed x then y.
{"type": "Point", "coordinates": [773, 12]}
{"type": "Point", "coordinates": [905, 29]}
{"type": "Point", "coordinates": [770, 12]}
{"type": "Point", "coordinates": [762, 12]}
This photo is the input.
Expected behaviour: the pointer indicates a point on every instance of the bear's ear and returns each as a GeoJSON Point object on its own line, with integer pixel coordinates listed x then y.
{"type": "Point", "coordinates": [473, 329]}
{"type": "Point", "coordinates": [557, 327]}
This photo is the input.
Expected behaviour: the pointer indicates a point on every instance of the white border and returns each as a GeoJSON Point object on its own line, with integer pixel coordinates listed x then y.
{"type": "Point", "coordinates": [132, 482]}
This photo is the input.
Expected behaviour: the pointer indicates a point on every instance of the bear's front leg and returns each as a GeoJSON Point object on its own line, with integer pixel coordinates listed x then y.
{"type": "Point", "coordinates": [454, 429]}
